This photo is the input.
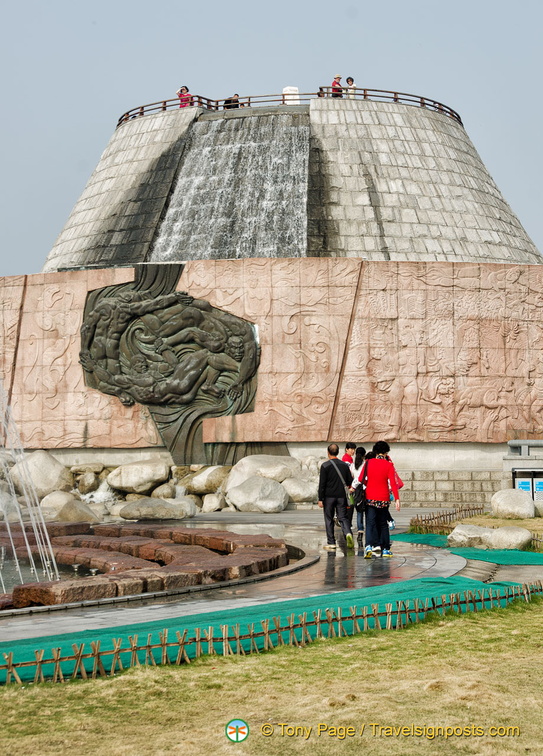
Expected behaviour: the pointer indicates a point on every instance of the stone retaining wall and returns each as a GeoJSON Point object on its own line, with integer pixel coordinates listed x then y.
{"type": "Point", "coordinates": [447, 488]}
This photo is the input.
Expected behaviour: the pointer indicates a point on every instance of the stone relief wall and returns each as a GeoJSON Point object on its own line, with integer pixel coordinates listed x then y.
{"type": "Point", "coordinates": [404, 351]}
{"type": "Point", "coordinates": [444, 352]}
{"type": "Point", "coordinates": [11, 298]}
{"type": "Point", "coordinates": [51, 404]}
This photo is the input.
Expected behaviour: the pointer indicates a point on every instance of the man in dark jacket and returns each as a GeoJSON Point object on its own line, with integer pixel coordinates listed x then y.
{"type": "Point", "coordinates": [335, 475]}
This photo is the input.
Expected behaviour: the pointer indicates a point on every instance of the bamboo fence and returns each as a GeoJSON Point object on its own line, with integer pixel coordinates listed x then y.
{"type": "Point", "coordinates": [296, 630]}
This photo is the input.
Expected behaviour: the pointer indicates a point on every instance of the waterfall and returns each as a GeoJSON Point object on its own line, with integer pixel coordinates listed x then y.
{"type": "Point", "coordinates": [241, 190]}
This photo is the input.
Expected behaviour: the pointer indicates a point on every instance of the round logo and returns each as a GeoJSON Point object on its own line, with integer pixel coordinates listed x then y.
{"type": "Point", "coordinates": [237, 730]}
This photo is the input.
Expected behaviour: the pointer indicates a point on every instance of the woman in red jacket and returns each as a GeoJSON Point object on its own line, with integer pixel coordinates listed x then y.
{"type": "Point", "coordinates": [379, 478]}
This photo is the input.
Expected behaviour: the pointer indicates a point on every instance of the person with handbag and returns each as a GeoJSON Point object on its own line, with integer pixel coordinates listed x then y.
{"type": "Point", "coordinates": [359, 492]}
{"type": "Point", "coordinates": [334, 483]}
{"type": "Point", "coordinates": [379, 476]}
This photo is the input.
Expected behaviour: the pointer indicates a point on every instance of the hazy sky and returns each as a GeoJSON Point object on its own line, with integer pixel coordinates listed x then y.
{"type": "Point", "coordinates": [71, 68]}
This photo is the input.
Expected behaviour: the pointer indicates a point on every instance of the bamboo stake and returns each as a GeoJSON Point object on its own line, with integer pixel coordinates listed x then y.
{"type": "Point", "coordinates": [317, 617]}
{"type": "Point", "coordinates": [376, 619]}
{"type": "Point", "coordinates": [240, 651]}
{"type": "Point", "coordinates": [226, 647]}
{"type": "Point", "coordinates": [38, 677]}
{"type": "Point", "coordinates": [97, 666]}
{"type": "Point", "coordinates": [78, 666]}
{"type": "Point", "coordinates": [331, 628]}
{"type": "Point", "coordinates": [399, 608]}
{"type": "Point", "coordinates": [292, 640]}
{"type": "Point", "coordinates": [182, 655]}
{"type": "Point", "coordinates": [134, 659]}
{"type": "Point", "coordinates": [209, 639]}
{"type": "Point", "coordinates": [365, 617]}
{"type": "Point", "coordinates": [149, 652]}
{"type": "Point", "coordinates": [340, 629]}
{"type": "Point", "coordinates": [306, 637]}
{"type": "Point", "coordinates": [356, 626]}
{"type": "Point", "coordinates": [163, 636]}
{"type": "Point", "coordinates": [11, 671]}
{"type": "Point", "coordinates": [279, 640]}
{"type": "Point", "coordinates": [117, 644]}
{"type": "Point", "coordinates": [57, 674]}
{"type": "Point", "coordinates": [389, 617]}
{"type": "Point", "coordinates": [197, 636]}
{"type": "Point", "coordinates": [253, 644]}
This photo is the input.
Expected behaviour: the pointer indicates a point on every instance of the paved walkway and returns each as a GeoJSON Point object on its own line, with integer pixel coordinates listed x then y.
{"type": "Point", "coordinates": [335, 571]}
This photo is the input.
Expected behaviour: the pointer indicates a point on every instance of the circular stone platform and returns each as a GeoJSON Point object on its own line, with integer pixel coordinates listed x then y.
{"type": "Point", "coordinates": [335, 571]}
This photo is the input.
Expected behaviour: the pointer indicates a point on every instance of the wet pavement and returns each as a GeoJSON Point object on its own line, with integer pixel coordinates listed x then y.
{"type": "Point", "coordinates": [335, 571]}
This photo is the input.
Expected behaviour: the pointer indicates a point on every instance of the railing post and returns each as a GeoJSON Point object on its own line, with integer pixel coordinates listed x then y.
{"type": "Point", "coordinates": [142, 111]}
{"type": "Point", "coordinates": [163, 104]}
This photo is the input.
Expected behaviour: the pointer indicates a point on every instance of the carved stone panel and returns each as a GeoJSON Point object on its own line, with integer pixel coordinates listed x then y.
{"type": "Point", "coordinates": [146, 343]}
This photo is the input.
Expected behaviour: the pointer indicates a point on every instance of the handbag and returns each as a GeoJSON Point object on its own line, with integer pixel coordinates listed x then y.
{"type": "Point", "coordinates": [360, 491]}
{"type": "Point", "coordinates": [348, 495]}
{"type": "Point", "coordinates": [399, 482]}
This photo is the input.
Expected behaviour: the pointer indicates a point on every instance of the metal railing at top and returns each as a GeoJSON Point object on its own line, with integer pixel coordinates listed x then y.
{"type": "Point", "coordinates": [251, 101]}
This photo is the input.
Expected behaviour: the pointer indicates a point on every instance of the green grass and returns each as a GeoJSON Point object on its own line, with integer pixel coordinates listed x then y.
{"type": "Point", "coordinates": [480, 669]}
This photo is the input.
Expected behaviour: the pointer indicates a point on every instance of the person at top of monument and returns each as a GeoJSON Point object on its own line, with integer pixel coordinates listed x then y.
{"type": "Point", "coordinates": [232, 102]}
{"type": "Point", "coordinates": [185, 98]}
{"type": "Point", "coordinates": [334, 480]}
{"type": "Point", "coordinates": [350, 88]}
{"type": "Point", "coordinates": [337, 89]}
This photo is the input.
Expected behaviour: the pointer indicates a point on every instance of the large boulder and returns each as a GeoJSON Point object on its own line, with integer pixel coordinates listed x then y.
{"type": "Point", "coordinates": [512, 504]}
{"type": "Point", "coordinates": [258, 494]}
{"type": "Point", "coordinates": [213, 502]}
{"type": "Point", "coordinates": [208, 480]}
{"type": "Point", "coordinates": [467, 536]}
{"type": "Point", "coordinates": [187, 504]}
{"type": "Point", "coordinates": [164, 491]}
{"type": "Point", "coordinates": [148, 508]}
{"type": "Point", "coordinates": [64, 507]}
{"type": "Point", "coordinates": [9, 506]}
{"type": "Point", "coordinates": [95, 467]}
{"type": "Point", "coordinates": [47, 474]}
{"type": "Point", "coordinates": [300, 490]}
{"type": "Point", "coordinates": [88, 482]}
{"type": "Point", "coordinates": [139, 477]}
{"type": "Point", "coordinates": [264, 465]}
{"type": "Point", "coordinates": [508, 538]}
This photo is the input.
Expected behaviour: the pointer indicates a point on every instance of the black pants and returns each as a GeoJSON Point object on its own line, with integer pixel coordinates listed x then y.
{"type": "Point", "coordinates": [331, 508]}
{"type": "Point", "coordinates": [377, 532]}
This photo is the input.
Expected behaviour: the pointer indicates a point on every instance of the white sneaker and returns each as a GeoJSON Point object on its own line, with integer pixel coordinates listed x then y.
{"type": "Point", "coordinates": [330, 547]}
{"type": "Point", "coordinates": [376, 549]}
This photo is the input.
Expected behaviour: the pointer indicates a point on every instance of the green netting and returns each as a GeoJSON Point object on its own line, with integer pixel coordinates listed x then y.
{"type": "Point", "coordinates": [244, 617]}
{"type": "Point", "coordinates": [428, 539]}
{"type": "Point", "coordinates": [497, 556]}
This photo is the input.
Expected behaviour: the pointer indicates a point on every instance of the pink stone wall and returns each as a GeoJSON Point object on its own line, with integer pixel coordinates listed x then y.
{"type": "Point", "coordinates": [396, 350]}
{"type": "Point", "coordinates": [51, 404]}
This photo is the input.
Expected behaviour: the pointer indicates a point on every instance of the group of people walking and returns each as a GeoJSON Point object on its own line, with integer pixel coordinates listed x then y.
{"type": "Point", "coordinates": [367, 482]}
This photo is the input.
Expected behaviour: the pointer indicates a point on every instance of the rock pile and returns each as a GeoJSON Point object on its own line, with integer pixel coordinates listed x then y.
{"type": "Point", "coordinates": [152, 489]}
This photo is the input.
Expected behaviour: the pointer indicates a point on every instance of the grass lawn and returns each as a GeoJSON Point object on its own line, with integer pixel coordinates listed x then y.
{"type": "Point", "coordinates": [477, 670]}
{"type": "Point", "coordinates": [534, 524]}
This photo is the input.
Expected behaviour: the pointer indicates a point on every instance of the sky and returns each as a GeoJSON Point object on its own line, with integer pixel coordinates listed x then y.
{"type": "Point", "coordinates": [70, 68]}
